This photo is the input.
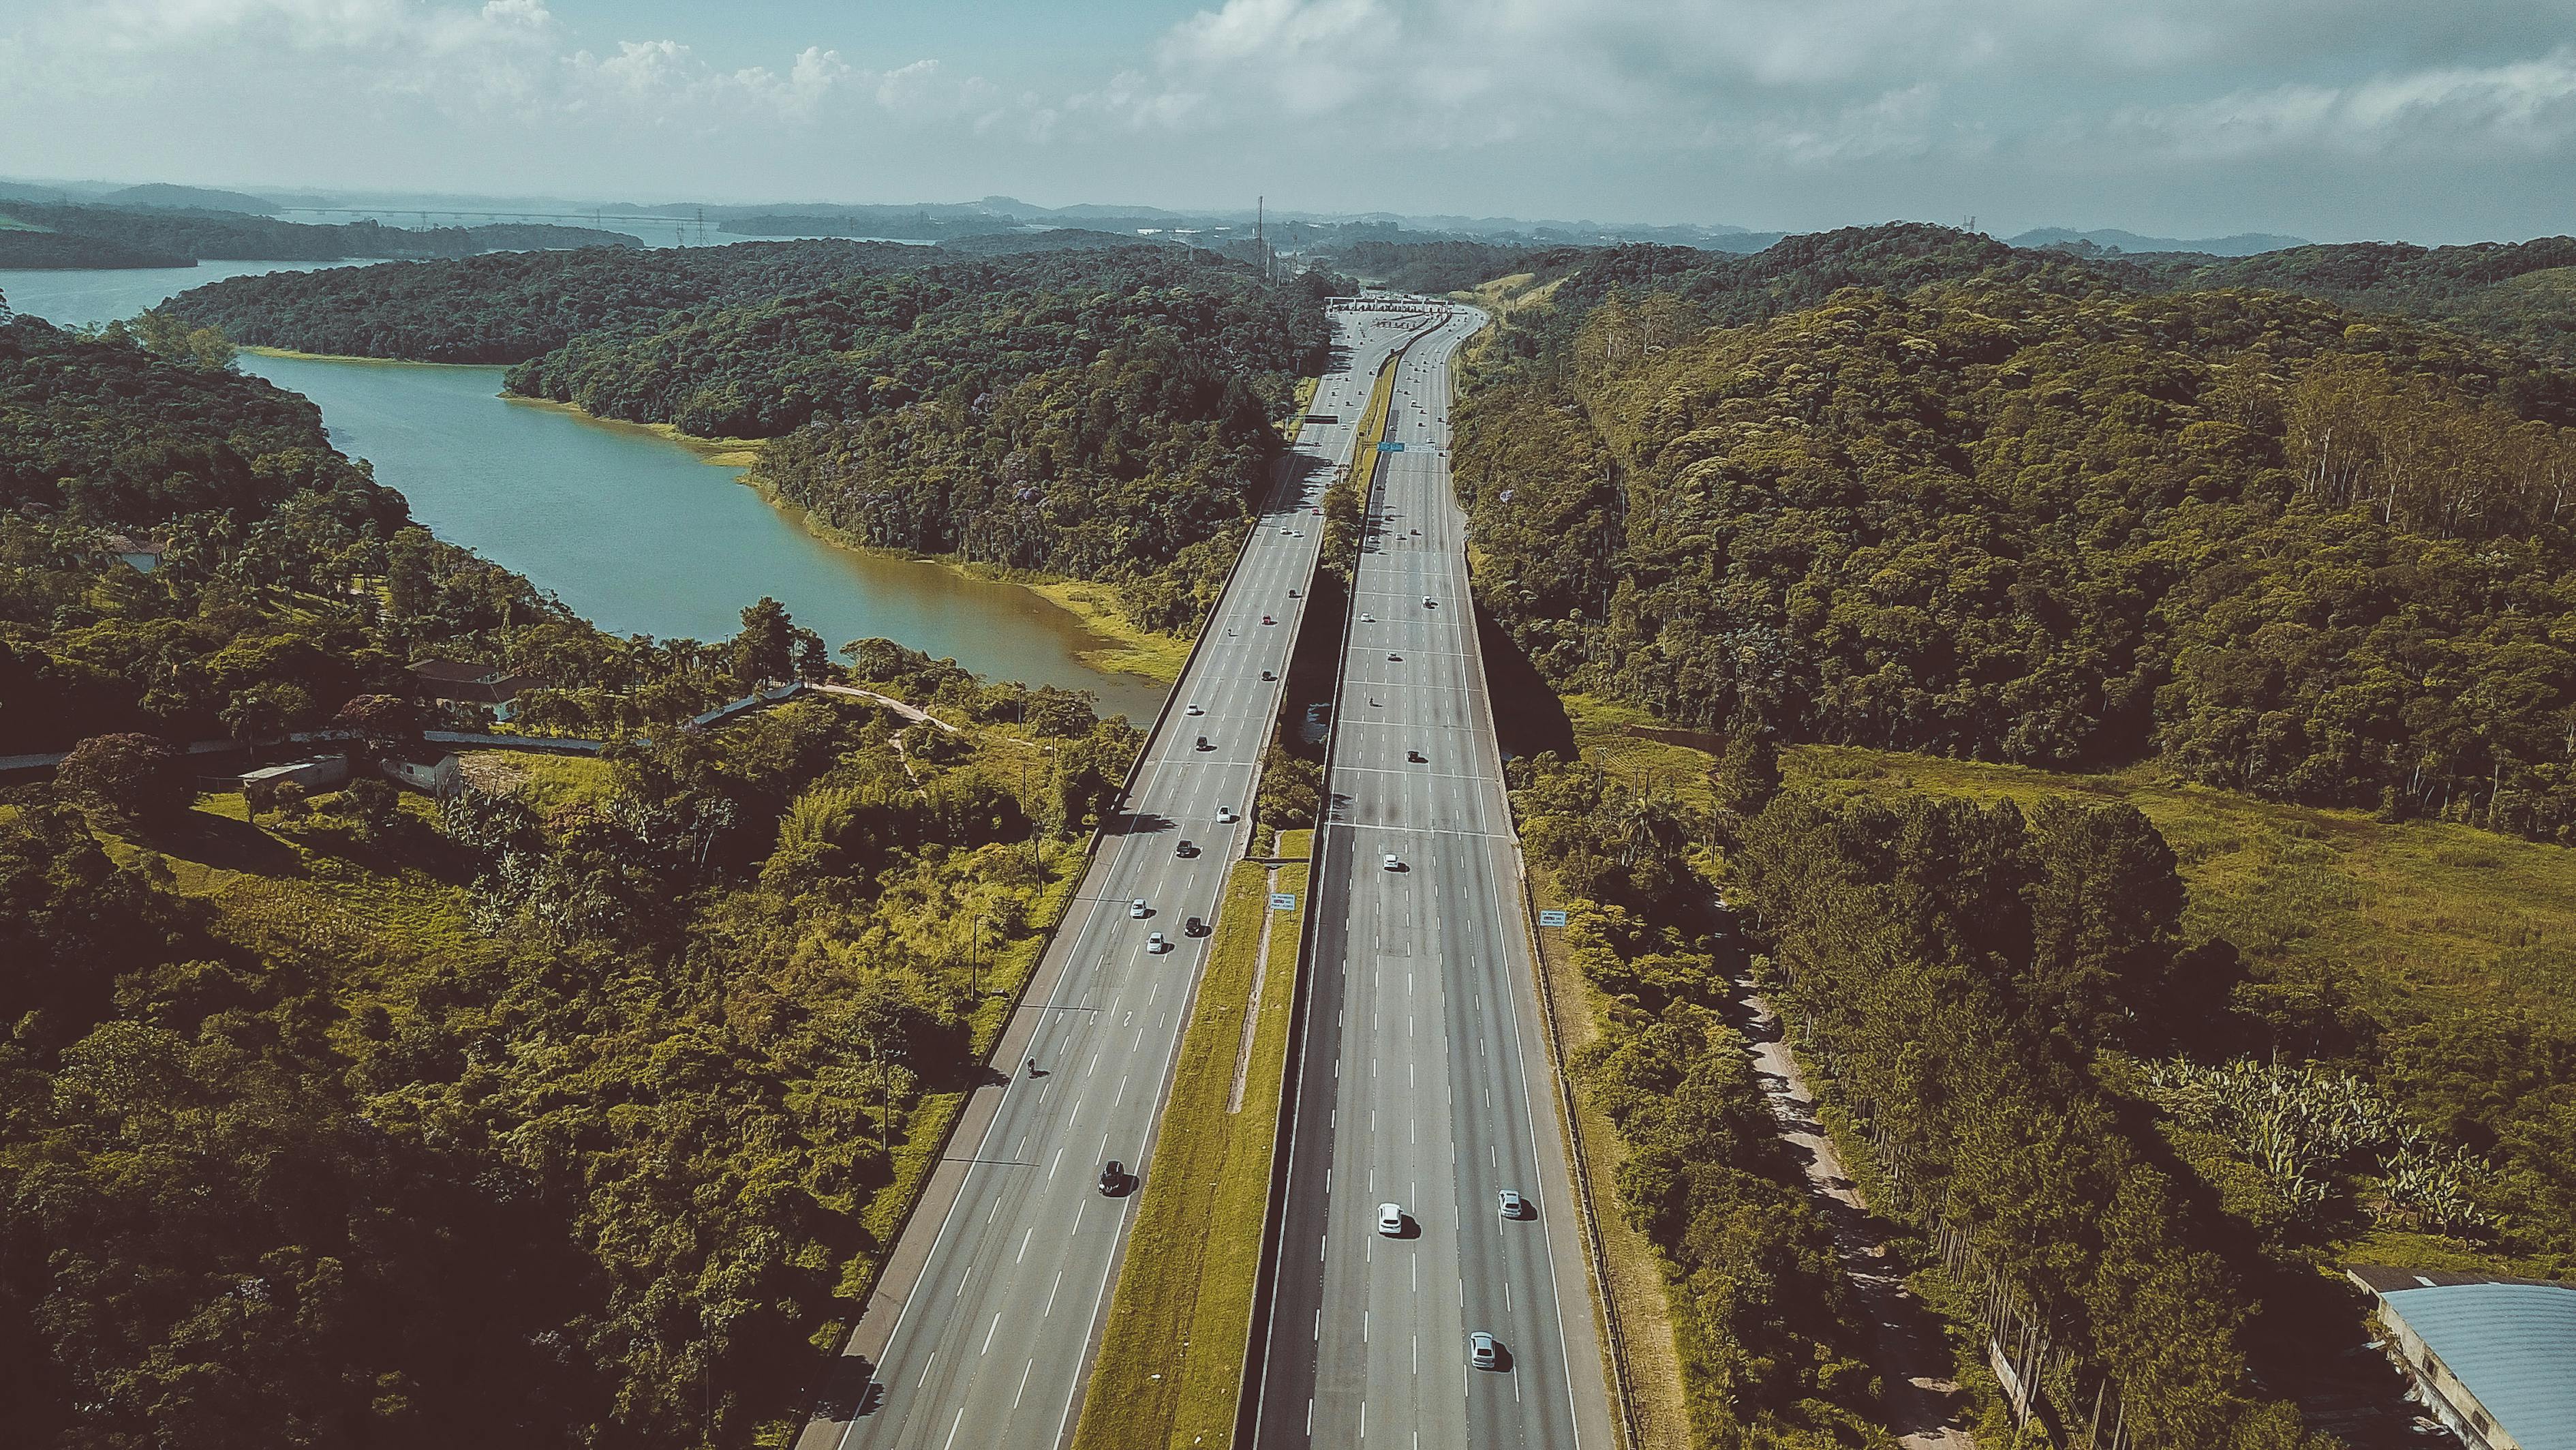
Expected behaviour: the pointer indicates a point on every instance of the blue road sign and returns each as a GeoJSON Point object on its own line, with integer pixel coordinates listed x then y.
{"type": "Point", "coordinates": [1390, 448]}
{"type": "Point", "coordinates": [1551, 918]}
{"type": "Point", "coordinates": [1283, 901]}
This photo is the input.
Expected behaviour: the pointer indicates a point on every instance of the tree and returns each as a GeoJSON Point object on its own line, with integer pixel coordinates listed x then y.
{"type": "Point", "coordinates": [136, 776]}
{"type": "Point", "coordinates": [765, 649]}
{"type": "Point", "coordinates": [2106, 919]}
{"type": "Point", "coordinates": [1748, 773]}
{"type": "Point", "coordinates": [266, 711]}
{"type": "Point", "coordinates": [385, 719]}
{"type": "Point", "coordinates": [374, 802]}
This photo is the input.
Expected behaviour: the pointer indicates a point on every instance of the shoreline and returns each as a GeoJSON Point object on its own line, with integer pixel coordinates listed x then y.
{"type": "Point", "coordinates": [1126, 648]}
{"type": "Point", "coordinates": [1122, 648]}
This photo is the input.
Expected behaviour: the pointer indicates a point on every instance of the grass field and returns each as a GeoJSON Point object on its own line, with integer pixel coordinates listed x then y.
{"type": "Point", "coordinates": [1133, 649]}
{"type": "Point", "coordinates": [2411, 917]}
{"type": "Point", "coordinates": [1171, 1356]}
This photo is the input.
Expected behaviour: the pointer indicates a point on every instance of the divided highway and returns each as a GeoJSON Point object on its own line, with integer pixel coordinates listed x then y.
{"type": "Point", "coordinates": [1424, 1078]}
{"type": "Point", "coordinates": [983, 1330]}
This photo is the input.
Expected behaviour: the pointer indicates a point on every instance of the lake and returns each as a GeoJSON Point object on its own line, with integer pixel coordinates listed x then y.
{"type": "Point", "coordinates": [636, 533]}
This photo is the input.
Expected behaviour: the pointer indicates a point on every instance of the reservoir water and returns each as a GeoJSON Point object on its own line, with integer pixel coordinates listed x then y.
{"type": "Point", "coordinates": [636, 533]}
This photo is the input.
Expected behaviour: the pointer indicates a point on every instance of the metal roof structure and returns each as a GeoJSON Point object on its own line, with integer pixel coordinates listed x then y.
{"type": "Point", "coordinates": [2513, 1345]}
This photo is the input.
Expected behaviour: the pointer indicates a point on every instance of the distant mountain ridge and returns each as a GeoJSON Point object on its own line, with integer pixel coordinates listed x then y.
{"type": "Point", "coordinates": [2242, 244]}
{"type": "Point", "coordinates": [162, 196]}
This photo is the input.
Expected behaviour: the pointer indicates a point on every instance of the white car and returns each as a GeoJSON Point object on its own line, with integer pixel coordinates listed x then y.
{"type": "Point", "coordinates": [1484, 1351]}
{"type": "Point", "coordinates": [1393, 864]}
{"type": "Point", "coordinates": [1508, 1204]}
{"type": "Point", "coordinates": [1225, 815]}
{"type": "Point", "coordinates": [1390, 1220]}
{"type": "Point", "coordinates": [1155, 945]}
{"type": "Point", "coordinates": [1368, 619]}
{"type": "Point", "coordinates": [1136, 908]}
{"type": "Point", "coordinates": [1194, 710]}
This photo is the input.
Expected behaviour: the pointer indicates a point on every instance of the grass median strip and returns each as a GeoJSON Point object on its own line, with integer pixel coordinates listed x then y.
{"type": "Point", "coordinates": [1171, 1357]}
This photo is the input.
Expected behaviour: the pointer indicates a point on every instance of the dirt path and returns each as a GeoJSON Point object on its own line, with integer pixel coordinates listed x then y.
{"type": "Point", "coordinates": [1923, 1406]}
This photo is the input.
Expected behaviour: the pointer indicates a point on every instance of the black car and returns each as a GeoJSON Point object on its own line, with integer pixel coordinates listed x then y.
{"type": "Point", "coordinates": [1195, 927]}
{"type": "Point", "coordinates": [1113, 1177]}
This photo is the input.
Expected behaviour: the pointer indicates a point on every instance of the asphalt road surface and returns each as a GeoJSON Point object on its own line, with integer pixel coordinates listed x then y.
{"type": "Point", "coordinates": [1424, 1076]}
{"type": "Point", "coordinates": [990, 1345]}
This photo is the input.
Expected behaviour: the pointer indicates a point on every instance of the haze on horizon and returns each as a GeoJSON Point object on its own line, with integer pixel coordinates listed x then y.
{"type": "Point", "coordinates": [2171, 117]}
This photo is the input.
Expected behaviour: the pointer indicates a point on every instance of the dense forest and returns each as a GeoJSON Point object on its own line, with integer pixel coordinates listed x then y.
{"type": "Point", "coordinates": [1957, 976]}
{"type": "Point", "coordinates": [871, 344]}
{"type": "Point", "coordinates": [191, 235]}
{"type": "Point", "coordinates": [2521, 293]}
{"type": "Point", "coordinates": [57, 251]}
{"type": "Point", "coordinates": [511, 306]}
{"type": "Point", "coordinates": [565, 1110]}
{"type": "Point", "coordinates": [249, 625]}
{"type": "Point", "coordinates": [1919, 492]}
{"type": "Point", "coordinates": [1765, 1324]}
{"type": "Point", "coordinates": [1120, 433]}
{"type": "Point", "coordinates": [1102, 413]}
{"type": "Point", "coordinates": [2154, 1152]}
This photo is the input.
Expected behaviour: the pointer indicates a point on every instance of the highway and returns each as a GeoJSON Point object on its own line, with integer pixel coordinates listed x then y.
{"type": "Point", "coordinates": [984, 1326]}
{"type": "Point", "coordinates": [1424, 1077]}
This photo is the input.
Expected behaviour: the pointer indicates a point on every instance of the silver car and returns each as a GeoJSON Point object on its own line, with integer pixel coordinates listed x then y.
{"type": "Point", "coordinates": [1484, 1351]}
{"type": "Point", "coordinates": [1508, 1204]}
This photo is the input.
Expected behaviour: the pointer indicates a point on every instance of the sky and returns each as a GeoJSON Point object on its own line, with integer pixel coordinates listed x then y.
{"type": "Point", "coordinates": [2425, 120]}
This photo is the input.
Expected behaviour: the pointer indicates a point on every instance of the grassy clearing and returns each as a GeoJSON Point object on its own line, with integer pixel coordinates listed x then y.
{"type": "Point", "coordinates": [312, 888]}
{"type": "Point", "coordinates": [2407, 918]}
{"type": "Point", "coordinates": [2411, 917]}
{"type": "Point", "coordinates": [1171, 1356]}
{"type": "Point", "coordinates": [1132, 648]}
{"type": "Point", "coordinates": [552, 782]}
{"type": "Point", "coordinates": [720, 452]}
{"type": "Point", "coordinates": [1634, 1270]}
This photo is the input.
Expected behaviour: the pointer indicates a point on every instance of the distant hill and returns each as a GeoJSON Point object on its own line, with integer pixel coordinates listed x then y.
{"type": "Point", "coordinates": [2523, 293]}
{"type": "Point", "coordinates": [176, 238]}
{"type": "Point", "coordinates": [1056, 239]}
{"type": "Point", "coordinates": [511, 306]}
{"type": "Point", "coordinates": [163, 196]}
{"type": "Point", "coordinates": [2243, 244]}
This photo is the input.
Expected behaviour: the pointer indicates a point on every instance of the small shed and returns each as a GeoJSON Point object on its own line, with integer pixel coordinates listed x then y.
{"type": "Point", "coordinates": [2493, 1358]}
{"type": "Point", "coordinates": [435, 774]}
{"type": "Point", "coordinates": [318, 774]}
{"type": "Point", "coordinates": [142, 554]}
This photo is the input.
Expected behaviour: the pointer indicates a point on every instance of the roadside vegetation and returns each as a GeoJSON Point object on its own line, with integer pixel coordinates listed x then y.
{"type": "Point", "coordinates": [2140, 893]}
{"type": "Point", "coordinates": [582, 1108]}
{"type": "Point", "coordinates": [2406, 988]}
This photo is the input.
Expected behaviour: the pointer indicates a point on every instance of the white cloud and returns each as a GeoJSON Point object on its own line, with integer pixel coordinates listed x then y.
{"type": "Point", "coordinates": [2522, 107]}
{"type": "Point", "coordinates": [1834, 81]}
